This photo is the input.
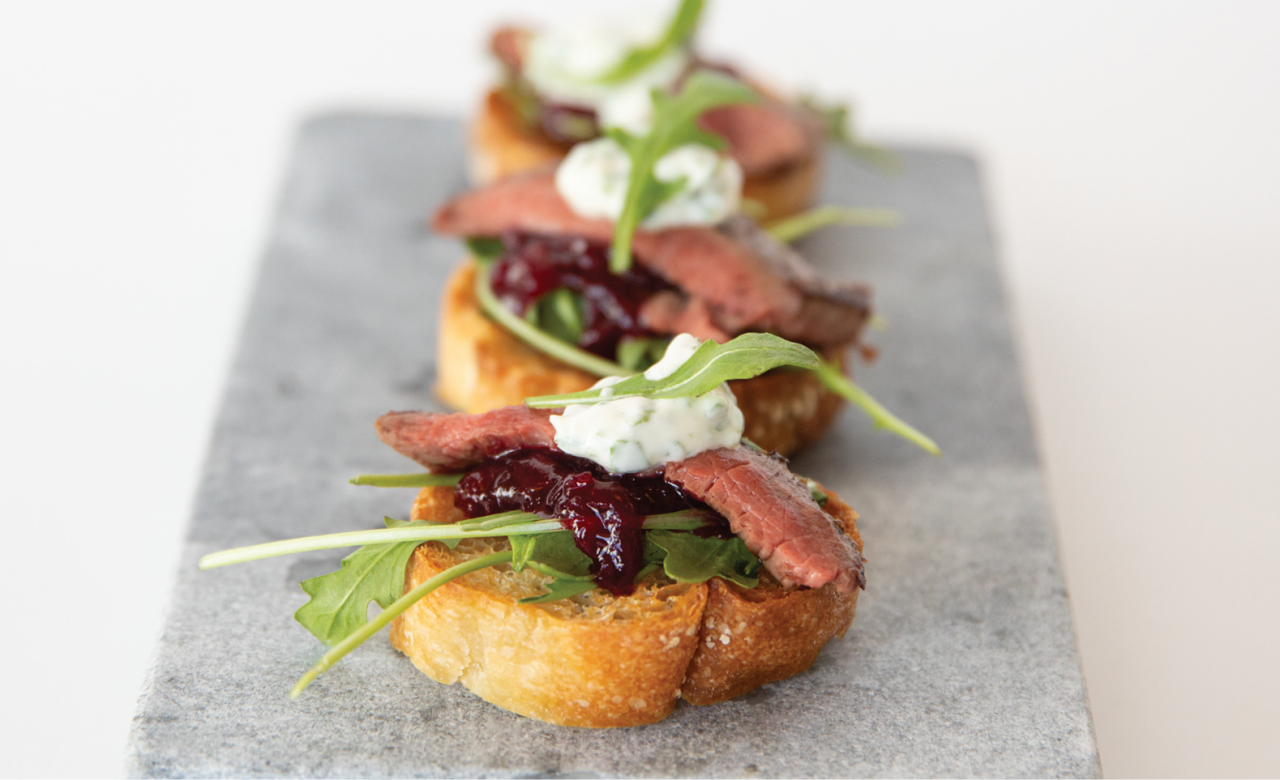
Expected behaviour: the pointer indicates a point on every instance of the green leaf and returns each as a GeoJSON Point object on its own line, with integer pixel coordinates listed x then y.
{"type": "Point", "coordinates": [485, 249]}
{"type": "Point", "coordinates": [357, 637]}
{"type": "Point", "coordinates": [501, 524]}
{"type": "Point", "coordinates": [559, 589]}
{"type": "Point", "coordinates": [681, 27]}
{"type": "Point", "coordinates": [818, 494]}
{"type": "Point", "coordinates": [636, 353]}
{"type": "Point", "coordinates": [560, 314]}
{"type": "Point", "coordinates": [339, 602]}
{"type": "Point", "coordinates": [557, 556]}
{"type": "Point", "coordinates": [536, 338]}
{"type": "Point", "coordinates": [746, 356]}
{"type": "Point", "coordinates": [791, 228]}
{"type": "Point", "coordinates": [408, 532]}
{"type": "Point", "coordinates": [691, 558]}
{"type": "Point", "coordinates": [675, 123]}
{"type": "Point", "coordinates": [837, 120]}
{"type": "Point", "coordinates": [556, 551]}
{"type": "Point", "coordinates": [839, 384]}
{"type": "Point", "coordinates": [407, 480]}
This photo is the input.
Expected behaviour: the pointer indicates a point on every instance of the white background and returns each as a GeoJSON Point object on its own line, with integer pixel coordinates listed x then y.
{"type": "Point", "coordinates": [1132, 155]}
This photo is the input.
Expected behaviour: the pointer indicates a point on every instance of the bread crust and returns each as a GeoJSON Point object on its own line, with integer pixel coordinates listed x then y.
{"type": "Point", "coordinates": [482, 366]}
{"type": "Point", "coordinates": [501, 145]}
{"type": "Point", "coordinates": [601, 661]}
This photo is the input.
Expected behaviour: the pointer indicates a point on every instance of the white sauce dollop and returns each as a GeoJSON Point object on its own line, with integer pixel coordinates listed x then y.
{"type": "Point", "coordinates": [593, 181]}
{"type": "Point", "coordinates": [563, 63]}
{"type": "Point", "coordinates": [634, 434]}
{"type": "Point", "coordinates": [630, 108]}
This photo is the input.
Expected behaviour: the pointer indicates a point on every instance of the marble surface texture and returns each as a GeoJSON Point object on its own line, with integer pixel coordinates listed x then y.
{"type": "Point", "coordinates": [961, 660]}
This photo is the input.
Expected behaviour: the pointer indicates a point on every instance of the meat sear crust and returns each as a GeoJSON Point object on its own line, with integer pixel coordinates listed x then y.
{"type": "Point", "coordinates": [447, 442]}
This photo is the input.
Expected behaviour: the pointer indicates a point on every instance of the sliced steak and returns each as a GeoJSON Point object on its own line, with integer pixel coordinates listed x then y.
{"type": "Point", "coordinates": [832, 312]}
{"type": "Point", "coordinates": [674, 312]}
{"type": "Point", "coordinates": [739, 288]}
{"type": "Point", "coordinates": [447, 442]}
{"type": "Point", "coordinates": [775, 514]}
{"type": "Point", "coordinates": [509, 45]}
{"type": "Point", "coordinates": [765, 137]}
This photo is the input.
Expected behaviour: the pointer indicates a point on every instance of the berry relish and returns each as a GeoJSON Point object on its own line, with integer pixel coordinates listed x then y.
{"type": "Point", "coordinates": [533, 265]}
{"type": "Point", "coordinates": [605, 511]}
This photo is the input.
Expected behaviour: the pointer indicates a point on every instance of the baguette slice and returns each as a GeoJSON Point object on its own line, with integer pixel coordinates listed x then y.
{"type": "Point", "coordinates": [598, 660]}
{"type": "Point", "coordinates": [482, 366]}
{"type": "Point", "coordinates": [500, 146]}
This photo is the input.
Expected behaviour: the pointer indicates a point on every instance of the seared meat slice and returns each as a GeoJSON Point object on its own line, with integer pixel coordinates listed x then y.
{"type": "Point", "coordinates": [447, 442]}
{"type": "Point", "coordinates": [775, 514]}
{"type": "Point", "coordinates": [765, 137]}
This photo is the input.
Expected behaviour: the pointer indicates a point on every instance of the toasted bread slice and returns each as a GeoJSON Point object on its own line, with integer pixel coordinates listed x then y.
{"type": "Point", "coordinates": [501, 145]}
{"type": "Point", "coordinates": [482, 366]}
{"type": "Point", "coordinates": [596, 660]}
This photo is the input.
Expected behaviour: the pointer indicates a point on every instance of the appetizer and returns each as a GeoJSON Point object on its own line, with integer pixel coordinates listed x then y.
{"type": "Point", "coordinates": [562, 86]}
{"type": "Point", "coordinates": [587, 269]}
{"type": "Point", "coordinates": [589, 559]}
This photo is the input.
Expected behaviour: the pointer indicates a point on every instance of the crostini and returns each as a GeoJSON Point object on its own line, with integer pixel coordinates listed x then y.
{"type": "Point", "coordinates": [590, 559]}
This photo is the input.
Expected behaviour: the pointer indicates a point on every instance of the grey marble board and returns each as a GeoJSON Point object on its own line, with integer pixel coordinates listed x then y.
{"type": "Point", "coordinates": [961, 660]}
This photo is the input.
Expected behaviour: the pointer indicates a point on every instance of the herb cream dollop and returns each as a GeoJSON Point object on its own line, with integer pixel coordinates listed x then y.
{"type": "Point", "coordinates": [633, 434]}
{"type": "Point", "coordinates": [564, 63]}
{"type": "Point", "coordinates": [593, 180]}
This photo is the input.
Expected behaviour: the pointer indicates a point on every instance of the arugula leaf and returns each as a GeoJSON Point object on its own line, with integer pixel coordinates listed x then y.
{"type": "Point", "coordinates": [748, 355]}
{"type": "Point", "coordinates": [682, 26]}
{"type": "Point", "coordinates": [819, 496]}
{"type": "Point", "coordinates": [675, 123]}
{"type": "Point", "coordinates": [838, 383]}
{"type": "Point", "coordinates": [357, 637]}
{"type": "Point", "coordinates": [837, 120]}
{"type": "Point", "coordinates": [557, 556]}
{"type": "Point", "coordinates": [485, 249]}
{"type": "Point", "coordinates": [559, 313]}
{"type": "Point", "coordinates": [556, 551]}
{"type": "Point", "coordinates": [637, 353]}
{"type": "Point", "coordinates": [407, 480]}
{"type": "Point", "coordinates": [691, 558]}
{"type": "Point", "coordinates": [339, 602]}
{"type": "Point", "coordinates": [559, 589]}
{"type": "Point", "coordinates": [791, 228]}
{"type": "Point", "coordinates": [531, 335]}
{"type": "Point", "coordinates": [501, 524]}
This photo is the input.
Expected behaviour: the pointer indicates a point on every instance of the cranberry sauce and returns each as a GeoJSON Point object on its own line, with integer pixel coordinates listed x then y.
{"type": "Point", "coordinates": [533, 265]}
{"type": "Point", "coordinates": [604, 511]}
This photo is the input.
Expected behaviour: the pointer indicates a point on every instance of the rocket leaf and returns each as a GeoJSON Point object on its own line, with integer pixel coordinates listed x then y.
{"type": "Point", "coordinates": [691, 558]}
{"type": "Point", "coordinates": [748, 355]}
{"type": "Point", "coordinates": [560, 589]}
{"type": "Point", "coordinates": [535, 337]}
{"type": "Point", "coordinates": [556, 551]}
{"type": "Point", "coordinates": [681, 28]}
{"type": "Point", "coordinates": [792, 228]}
{"type": "Point", "coordinates": [837, 121]}
{"type": "Point", "coordinates": [675, 123]}
{"type": "Point", "coordinates": [339, 604]}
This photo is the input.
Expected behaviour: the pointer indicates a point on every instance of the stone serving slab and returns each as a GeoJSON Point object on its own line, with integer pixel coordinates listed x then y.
{"type": "Point", "coordinates": [961, 660]}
